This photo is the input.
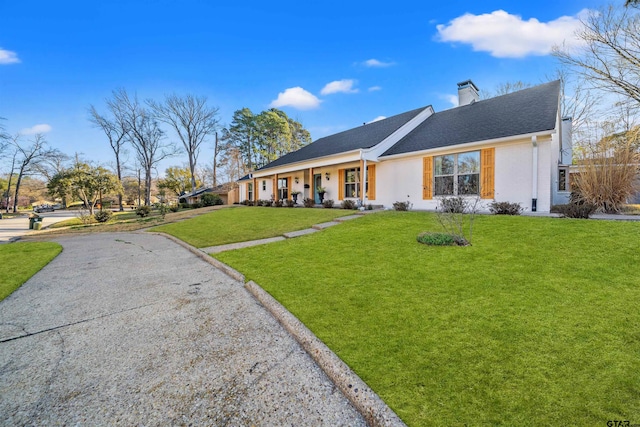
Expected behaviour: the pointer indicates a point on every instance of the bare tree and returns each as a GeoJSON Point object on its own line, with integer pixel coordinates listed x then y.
{"type": "Point", "coordinates": [28, 156]}
{"type": "Point", "coordinates": [144, 134]}
{"type": "Point", "coordinates": [192, 119]}
{"type": "Point", "coordinates": [14, 157]}
{"type": "Point", "coordinates": [610, 57]}
{"type": "Point", "coordinates": [116, 131]}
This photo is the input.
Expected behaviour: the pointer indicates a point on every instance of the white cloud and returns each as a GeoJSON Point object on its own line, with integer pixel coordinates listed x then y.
{"type": "Point", "coordinates": [374, 88]}
{"type": "Point", "coordinates": [509, 36]}
{"type": "Point", "coordinates": [8, 57]}
{"type": "Point", "coordinates": [453, 99]}
{"type": "Point", "coordinates": [40, 128]}
{"type": "Point", "coordinates": [344, 86]}
{"type": "Point", "coordinates": [296, 97]}
{"type": "Point", "coordinates": [374, 63]}
{"type": "Point", "coordinates": [377, 119]}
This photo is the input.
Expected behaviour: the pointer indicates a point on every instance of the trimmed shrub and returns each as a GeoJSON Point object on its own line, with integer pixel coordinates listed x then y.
{"type": "Point", "coordinates": [505, 208]}
{"type": "Point", "coordinates": [289, 203]}
{"type": "Point", "coordinates": [328, 203]}
{"type": "Point", "coordinates": [174, 208]}
{"type": "Point", "coordinates": [143, 211]}
{"type": "Point", "coordinates": [277, 203]}
{"type": "Point", "coordinates": [348, 204]}
{"type": "Point", "coordinates": [308, 202]}
{"type": "Point", "coordinates": [196, 205]}
{"type": "Point", "coordinates": [248, 202]}
{"type": "Point", "coordinates": [185, 205]}
{"type": "Point", "coordinates": [209, 199]}
{"type": "Point", "coordinates": [402, 206]}
{"type": "Point", "coordinates": [441, 239]}
{"type": "Point", "coordinates": [575, 210]}
{"type": "Point", "coordinates": [103, 216]}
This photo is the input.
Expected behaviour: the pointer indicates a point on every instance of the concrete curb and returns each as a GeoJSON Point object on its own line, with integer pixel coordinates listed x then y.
{"type": "Point", "coordinates": [373, 409]}
{"type": "Point", "coordinates": [368, 403]}
{"type": "Point", "coordinates": [235, 274]}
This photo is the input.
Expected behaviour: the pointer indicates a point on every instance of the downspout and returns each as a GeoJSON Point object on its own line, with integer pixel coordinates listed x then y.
{"type": "Point", "coordinates": [534, 184]}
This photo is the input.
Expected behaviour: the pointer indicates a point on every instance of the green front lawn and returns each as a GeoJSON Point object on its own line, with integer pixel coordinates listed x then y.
{"type": "Point", "coordinates": [19, 261]}
{"type": "Point", "coordinates": [246, 223]}
{"type": "Point", "coordinates": [537, 323]}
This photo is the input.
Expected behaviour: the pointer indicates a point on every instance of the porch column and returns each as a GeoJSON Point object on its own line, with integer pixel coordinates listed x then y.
{"type": "Point", "coordinates": [312, 191]}
{"type": "Point", "coordinates": [275, 187]}
{"type": "Point", "coordinates": [255, 189]}
{"type": "Point", "coordinates": [363, 172]}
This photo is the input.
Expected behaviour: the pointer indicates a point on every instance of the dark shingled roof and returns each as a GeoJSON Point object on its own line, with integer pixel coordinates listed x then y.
{"type": "Point", "coordinates": [365, 136]}
{"type": "Point", "coordinates": [518, 113]}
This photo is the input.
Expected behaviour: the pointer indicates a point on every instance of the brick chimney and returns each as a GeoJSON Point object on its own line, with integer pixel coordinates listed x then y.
{"type": "Point", "coordinates": [467, 93]}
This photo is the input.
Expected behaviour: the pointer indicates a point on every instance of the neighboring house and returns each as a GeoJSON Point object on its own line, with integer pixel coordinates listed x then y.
{"type": "Point", "coordinates": [227, 192]}
{"type": "Point", "coordinates": [513, 148]}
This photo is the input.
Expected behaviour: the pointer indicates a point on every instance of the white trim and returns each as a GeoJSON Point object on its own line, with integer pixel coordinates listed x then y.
{"type": "Point", "coordinates": [374, 152]}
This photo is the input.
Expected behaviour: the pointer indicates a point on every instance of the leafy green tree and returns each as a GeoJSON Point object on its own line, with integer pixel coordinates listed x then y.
{"type": "Point", "coordinates": [242, 134]}
{"type": "Point", "coordinates": [178, 180]}
{"type": "Point", "coordinates": [274, 136]}
{"type": "Point", "coordinates": [86, 182]}
{"type": "Point", "coordinates": [262, 138]}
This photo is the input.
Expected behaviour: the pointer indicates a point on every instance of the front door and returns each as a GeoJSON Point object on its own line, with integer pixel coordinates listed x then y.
{"type": "Point", "coordinates": [317, 182]}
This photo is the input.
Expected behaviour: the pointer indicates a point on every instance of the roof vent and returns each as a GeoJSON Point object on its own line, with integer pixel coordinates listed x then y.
{"type": "Point", "coordinates": [467, 93]}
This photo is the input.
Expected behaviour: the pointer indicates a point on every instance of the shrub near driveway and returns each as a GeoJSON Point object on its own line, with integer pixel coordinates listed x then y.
{"type": "Point", "coordinates": [535, 324]}
{"type": "Point", "coordinates": [19, 261]}
{"type": "Point", "coordinates": [241, 224]}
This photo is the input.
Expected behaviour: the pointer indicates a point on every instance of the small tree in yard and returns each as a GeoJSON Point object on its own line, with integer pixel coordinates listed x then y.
{"type": "Point", "coordinates": [456, 215]}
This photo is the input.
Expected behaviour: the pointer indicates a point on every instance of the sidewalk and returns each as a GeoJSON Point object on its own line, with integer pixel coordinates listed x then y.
{"type": "Point", "coordinates": [133, 329]}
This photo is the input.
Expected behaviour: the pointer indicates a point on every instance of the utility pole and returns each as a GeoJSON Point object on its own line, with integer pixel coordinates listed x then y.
{"type": "Point", "coordinates": [215, 163]}
{"type": "Point", "coordinates": [139, 183]}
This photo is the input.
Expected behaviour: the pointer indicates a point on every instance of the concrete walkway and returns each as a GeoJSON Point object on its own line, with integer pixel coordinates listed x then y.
{"type": "Point", "coordinates": [134, 329]}
{"type": "Point", "coordinates": [290, 235]}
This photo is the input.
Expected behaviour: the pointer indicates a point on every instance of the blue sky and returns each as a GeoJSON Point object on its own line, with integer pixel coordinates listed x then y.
{"type": "Point", "coordinates": [332, 65]}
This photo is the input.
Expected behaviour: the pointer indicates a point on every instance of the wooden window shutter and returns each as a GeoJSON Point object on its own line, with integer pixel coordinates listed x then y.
{"type": "Point", "coordinates": [487, 173]}
{"type": "Point", "coordinates": [340, 184]}
{"type": "Point", "coordinates": [427, 178]}
{"type": "Point", "coordinates": [275, 188]}
{"type": "Point", "coordinates": [371, 176]}
{"type": "Point", "coordinates": [289, 188]}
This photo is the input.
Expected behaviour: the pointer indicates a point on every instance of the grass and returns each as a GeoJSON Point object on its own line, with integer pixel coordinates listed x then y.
{"type": "Point", "coordinates": [537, 323]}
{"type": "Point", "coordinates": [19, 261]}
{"type": "Point", "coordinates": [247, 223]}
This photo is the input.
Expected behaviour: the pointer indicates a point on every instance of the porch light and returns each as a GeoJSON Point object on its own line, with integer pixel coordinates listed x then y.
{"type": "Point", "coordinates": [327, 175]}
{"type": "Point", "coordinates": [296, 179]}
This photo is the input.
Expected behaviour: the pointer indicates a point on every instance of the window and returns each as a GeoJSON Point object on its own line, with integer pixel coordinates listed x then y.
{"type": "Point", "coordinates": [250, 191]}
{"type": "Point", "coordinates": [457, 174]}
{"type": "Point", "coordinates": [283, 190]}
{"type": "Point", "coordinates": [352, 182]}
{"type": "Point", "coordinates": [562, 180]}
{"type": "Point", "coordinates": [264, 185]}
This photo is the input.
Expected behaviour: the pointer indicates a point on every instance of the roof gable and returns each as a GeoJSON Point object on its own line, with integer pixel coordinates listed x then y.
{"type": "Point", "coordinates": [519, 113]}
{"type": "Point", "coordinates": [362, 137]}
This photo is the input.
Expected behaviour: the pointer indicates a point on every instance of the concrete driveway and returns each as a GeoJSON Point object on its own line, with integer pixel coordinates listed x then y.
{"type": "Point", "coordinates": [13, 228]}
{"type": "Point", "coordinates": [133, 329]}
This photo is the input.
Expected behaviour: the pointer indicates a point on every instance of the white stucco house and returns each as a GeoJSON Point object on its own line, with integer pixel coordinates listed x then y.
{"type": "Point", "coordinates": [514, 148]}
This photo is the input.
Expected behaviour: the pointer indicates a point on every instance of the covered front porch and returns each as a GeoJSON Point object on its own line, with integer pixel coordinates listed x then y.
{"type": "Point", "coordinates": [337, 182]}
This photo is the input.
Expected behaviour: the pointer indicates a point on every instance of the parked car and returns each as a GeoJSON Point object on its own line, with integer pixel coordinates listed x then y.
{"type": "Point", "coordinates": [43, 208]}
